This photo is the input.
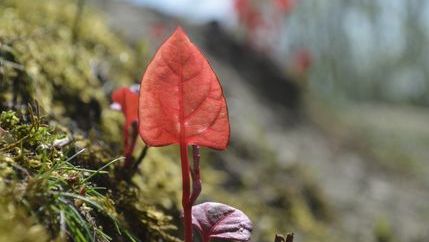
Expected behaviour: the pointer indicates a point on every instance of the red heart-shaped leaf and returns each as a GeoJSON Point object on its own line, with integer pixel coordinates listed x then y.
{"type": "Point", "coordinates": [220, 221]}
{"type": "Point", "coordinates": [181, 100]}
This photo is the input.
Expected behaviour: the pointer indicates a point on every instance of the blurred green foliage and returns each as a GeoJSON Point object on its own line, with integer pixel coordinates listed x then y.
{"type": "Point", "coordinates": [383, 231]}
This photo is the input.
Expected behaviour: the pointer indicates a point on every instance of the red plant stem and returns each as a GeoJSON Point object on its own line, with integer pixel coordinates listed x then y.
{"type": "Point", "coordinates": [206, 238]}
{"type": "Point", "coordinates": [130, 144]}
{"type": "Point", "coordinates": [195, 174]}
{"type": "Point", "coordinates": [186, 202]}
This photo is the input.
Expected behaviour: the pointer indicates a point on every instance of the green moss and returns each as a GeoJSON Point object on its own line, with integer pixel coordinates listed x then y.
{"type": "Point", "coordinates": [57, 78]}
{"type": "Point", "coordinates": [15, 225]}
{"type": "Point", "coordinates": [71, 189]}
{"type": "Point", "coordinates": [70, 77]}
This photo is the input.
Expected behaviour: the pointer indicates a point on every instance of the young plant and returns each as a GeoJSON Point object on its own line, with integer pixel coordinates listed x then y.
{"type": "Point", "coordinates": [126, 99]}
{"type": "Point", "coordinates": [220, 221]}
{"type": "Point", "coordinates": [181, 102]}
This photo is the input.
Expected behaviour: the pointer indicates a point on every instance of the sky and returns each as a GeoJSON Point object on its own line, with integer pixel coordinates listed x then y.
{"type": "Point", "coordinates": [194, 10]}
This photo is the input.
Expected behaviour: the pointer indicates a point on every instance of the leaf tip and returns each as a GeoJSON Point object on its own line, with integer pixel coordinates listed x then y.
{"type": "Point", "coordinates": [180, 33]}
{"type": "Point", "coordinates": [179, 29]}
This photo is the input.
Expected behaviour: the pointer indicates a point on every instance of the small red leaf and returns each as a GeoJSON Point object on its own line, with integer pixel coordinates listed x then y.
{"type": "Point", "coordinates": [220, 221]}
{"type": "Point", "coordinates": [127, 100]}
{"type": "Point", "coordinates": [181, 100]}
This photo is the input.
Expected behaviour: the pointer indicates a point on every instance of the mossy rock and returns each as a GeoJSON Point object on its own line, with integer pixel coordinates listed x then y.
{"type": "Point", "coordinates": [70, 187]}
{"type": "Point", "coordinates": [56, 130]}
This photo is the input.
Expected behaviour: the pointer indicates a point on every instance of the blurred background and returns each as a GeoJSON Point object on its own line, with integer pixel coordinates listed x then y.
{"type": "Point", "coordinates": [329, 109]}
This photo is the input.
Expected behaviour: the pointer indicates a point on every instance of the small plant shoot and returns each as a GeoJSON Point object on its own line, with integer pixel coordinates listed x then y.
{"type": "Point", "coordinates": [181, 102]}
{"type": "Point", "coordinates": [125, 99]}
